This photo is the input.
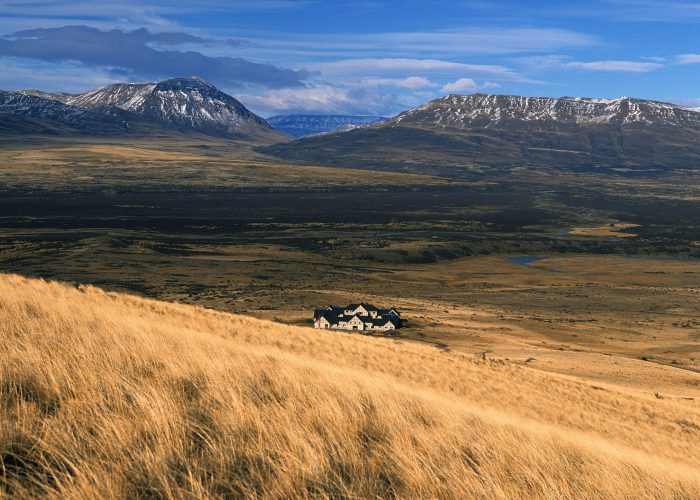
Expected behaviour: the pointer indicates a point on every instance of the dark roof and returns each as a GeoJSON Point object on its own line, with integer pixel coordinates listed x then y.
{"type": "Point", "coordinates": [330, 308]}
{"type": "Point", "coordinates": [391, 311]}
{"type": "Point", "coordinates": [388, 319]}
{"type": "Point", "coordinates": [367, 306]}
{"type": "Point", "coordinates": [380, 321]}
{"type": "Point", "coordinates": [329, 312]}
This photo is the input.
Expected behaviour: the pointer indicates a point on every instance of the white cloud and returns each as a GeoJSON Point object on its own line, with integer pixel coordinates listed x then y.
{"type": "Point", "coordinates": [614, 66]}
{"type": "Point", "coordinates": [388, 67]}
{"type": "Point", "coordinates": [549, 62]}
{"type": "Point", "coordinates": [534, 63]}
{"type": "Point", "coordinates": [655, 59]}
{"type": "Point", "coordinates": [320, 99]}
{"type": "Point", "coordinates": [680, 11]}
{"type": "Point", "coordinates": [461, 85]}
{"type": "Point", "coordinates": [427, 44]}
{"type": "Point", "coordinates": [410, 83]}
{"type": "Point", "coordinates": [688, 59]}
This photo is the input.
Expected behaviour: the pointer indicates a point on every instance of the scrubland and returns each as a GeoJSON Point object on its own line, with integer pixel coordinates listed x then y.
{"type": "Point", "coordinates": [109, 395]}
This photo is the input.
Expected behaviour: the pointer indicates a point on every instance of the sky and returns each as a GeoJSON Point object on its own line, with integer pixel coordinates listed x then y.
{"type": "Point", "coordinates": [370, 57]}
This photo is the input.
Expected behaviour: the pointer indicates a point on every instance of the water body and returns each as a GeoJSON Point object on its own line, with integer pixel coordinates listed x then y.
{"type": "Point", "coordinates": [526, 260]}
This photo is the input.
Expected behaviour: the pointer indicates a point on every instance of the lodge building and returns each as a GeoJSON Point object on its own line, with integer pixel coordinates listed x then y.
{"type": "Point", "coordinates": [359, 317]}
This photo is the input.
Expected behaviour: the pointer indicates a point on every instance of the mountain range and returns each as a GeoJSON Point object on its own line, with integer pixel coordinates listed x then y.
{"type": "Point", "coordinates": [179, 104]}
{"type": "Point", "coordinates": [472, 132]}
{"type": "Point", "coordinates": [454, 135]}
{"type": "Point", "coordinates": [305, 125]}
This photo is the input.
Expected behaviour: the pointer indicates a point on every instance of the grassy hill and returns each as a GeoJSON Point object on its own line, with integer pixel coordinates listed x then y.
{"type": "Point", "coordinates": [109, 395]}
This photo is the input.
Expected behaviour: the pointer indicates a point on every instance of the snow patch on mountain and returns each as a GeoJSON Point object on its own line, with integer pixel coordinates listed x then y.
{"type": "Point", "coordinates": [488, 110]}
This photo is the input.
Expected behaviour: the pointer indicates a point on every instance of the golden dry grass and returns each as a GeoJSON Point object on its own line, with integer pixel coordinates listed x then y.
{"type": "Point", "coordinates": [606, 230]}
{"type": "Point", "coordinates": [149, 164]}
{"type": "Point", "coordinates": [109, 395]}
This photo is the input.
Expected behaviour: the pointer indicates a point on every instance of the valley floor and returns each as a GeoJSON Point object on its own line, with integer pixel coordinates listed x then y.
{"type": "Point", "coordinates": [592, 277]}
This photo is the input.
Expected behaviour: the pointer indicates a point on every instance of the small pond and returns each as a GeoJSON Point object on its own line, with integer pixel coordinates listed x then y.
{"type": "Point", "coordinates": [525, 260]}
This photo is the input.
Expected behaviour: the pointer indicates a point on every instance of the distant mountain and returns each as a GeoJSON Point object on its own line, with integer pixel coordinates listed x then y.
{"type": "Point", "coordinates": [304, 125]}
{"type": "Point", "coordinates": [181, 104]}
{"type": "Point", "coordinates": [476, 131]}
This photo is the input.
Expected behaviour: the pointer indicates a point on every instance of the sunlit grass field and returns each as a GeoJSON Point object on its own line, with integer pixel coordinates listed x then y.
{"type": "Point", "coordinates": [109, 395]}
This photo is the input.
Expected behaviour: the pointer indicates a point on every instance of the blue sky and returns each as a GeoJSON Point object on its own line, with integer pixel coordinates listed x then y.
{"type": "Point", "coordinates": [364, 57]}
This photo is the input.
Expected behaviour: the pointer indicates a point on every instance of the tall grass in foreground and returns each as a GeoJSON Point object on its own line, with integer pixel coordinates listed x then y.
{"type": "Point", "coordinates": [107, 395]}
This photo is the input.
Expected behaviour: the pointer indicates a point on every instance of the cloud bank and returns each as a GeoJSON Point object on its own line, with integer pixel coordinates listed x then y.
{"type": "Point", "coordinates": [133, 55]}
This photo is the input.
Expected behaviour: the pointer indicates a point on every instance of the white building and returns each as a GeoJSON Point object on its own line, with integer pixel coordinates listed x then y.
{"type": "Point", "coordinates": [357, 317]}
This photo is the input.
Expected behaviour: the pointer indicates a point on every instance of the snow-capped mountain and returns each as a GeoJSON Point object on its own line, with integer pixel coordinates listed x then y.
{"type": "Point", "coordinates": [180, 102]}
{"type": "Point", "coordinates": [488, 110]}
{"type": "Point", "coordinates": [500, 131]}
{"type": "Point", "coordinates": [304, 125]}
{"type": "Point", "coordinates": [185, 104]}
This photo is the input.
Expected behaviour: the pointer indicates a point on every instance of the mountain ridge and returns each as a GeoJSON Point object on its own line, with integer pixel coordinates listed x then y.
{"type": "Point", "coordinates": [495, 107]}
{"type": "Point", "coordinates": [458, 135]}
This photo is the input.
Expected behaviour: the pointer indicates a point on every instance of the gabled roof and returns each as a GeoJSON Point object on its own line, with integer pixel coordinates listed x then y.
{"type": "Point", "coordinates": [391, 311]}
{"type": "Point", "coordinates": [332, 314]}
{"type": "Point", "coordinates": [387, 319]}
{"type": "Point", "coordinates": [329, 309]}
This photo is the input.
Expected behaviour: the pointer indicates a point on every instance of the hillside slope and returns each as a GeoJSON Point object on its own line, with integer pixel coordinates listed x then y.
{"type": "Point", "coordinates": [108, 395]}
